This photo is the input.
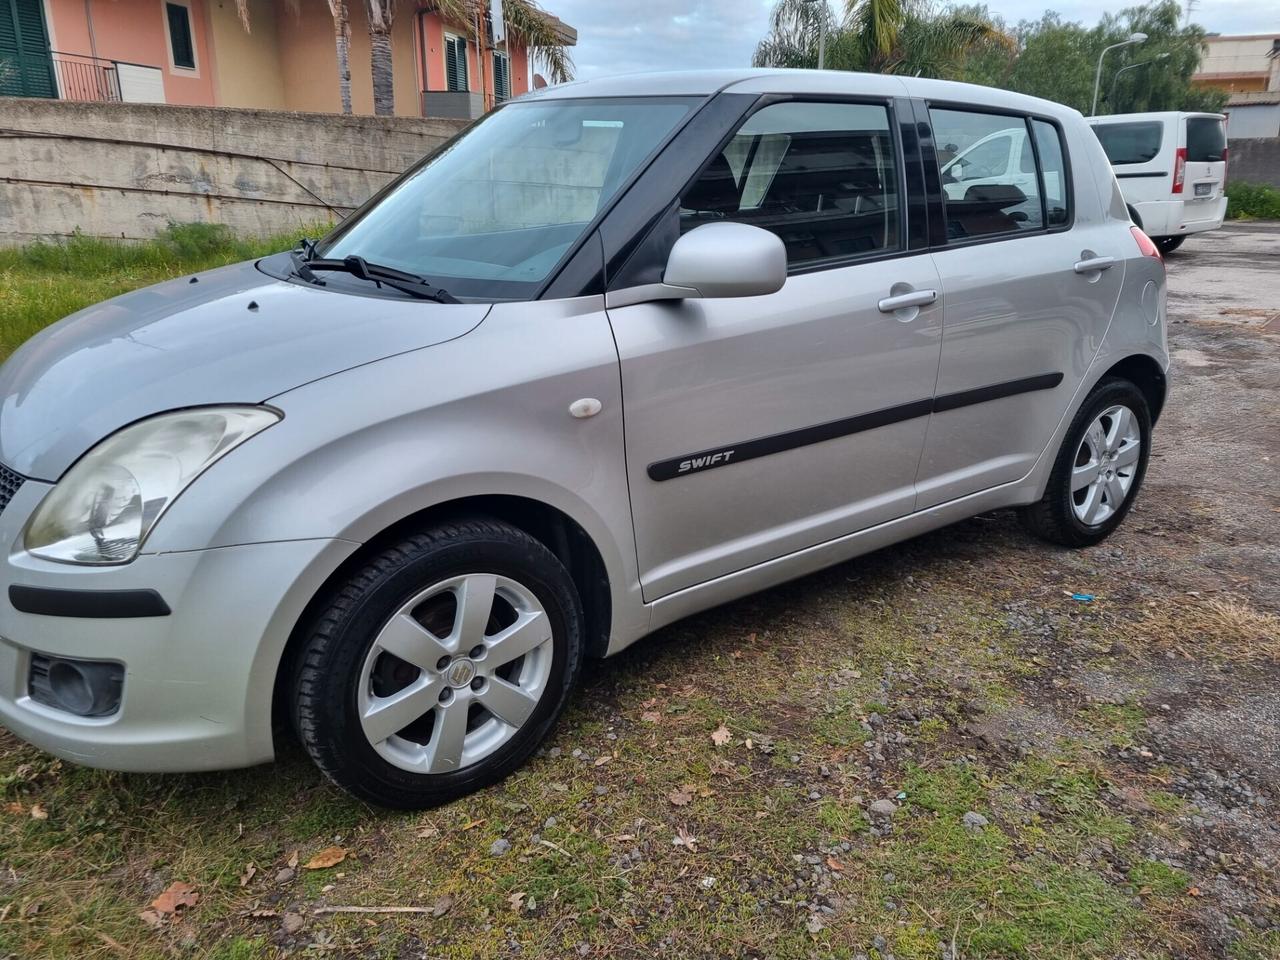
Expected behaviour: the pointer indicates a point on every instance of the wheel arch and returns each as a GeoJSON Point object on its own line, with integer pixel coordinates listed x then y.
{"type": "Point", "coordinates": [552, 527]}
{"type": "Point", "coordinates": [1146, 374]}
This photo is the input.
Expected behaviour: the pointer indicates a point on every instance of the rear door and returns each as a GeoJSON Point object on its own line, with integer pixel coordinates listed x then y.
{"type": "Point", "coordinates": [1030, 274]}
{"type": "Point", "coordinates": [1142, 154]}
{"type": "Point", "coordinates": [1205, 152]}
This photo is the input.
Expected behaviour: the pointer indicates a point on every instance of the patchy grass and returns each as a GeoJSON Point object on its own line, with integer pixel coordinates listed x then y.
{"type": "Point", "coordinates": [45, 282]}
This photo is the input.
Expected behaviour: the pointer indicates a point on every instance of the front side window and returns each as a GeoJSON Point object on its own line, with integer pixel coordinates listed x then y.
{"type": "Point", "coordinates": [1126, 143]}
{"type": "Point", "coordinates": [181, 46]}
{"type": "Point", "coordinates": [491, 214]}
{"type": "Point", "coordinates": [822, 176]}
{"type": "Point", "coordinates": [988, 186]}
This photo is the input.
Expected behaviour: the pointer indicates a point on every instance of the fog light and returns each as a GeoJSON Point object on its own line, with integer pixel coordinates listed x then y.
{"type": "Point", "coordinates": [87, 688]}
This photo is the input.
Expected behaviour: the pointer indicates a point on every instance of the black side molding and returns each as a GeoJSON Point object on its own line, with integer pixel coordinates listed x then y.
{"type": "Point", "coordinates": [1140, 176]}
{"type": "Point", "coordinates": [779, 442]}
{"type": "Point", "coordinates": [88, 604]}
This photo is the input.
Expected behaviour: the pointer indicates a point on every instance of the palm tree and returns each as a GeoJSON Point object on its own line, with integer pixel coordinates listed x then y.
{"type": "Point", "coordinates": [882, 36]}
{"type": "Point", "coordinates": [380, 15]}
{"type": "Point", "coordinates": [342, 41]}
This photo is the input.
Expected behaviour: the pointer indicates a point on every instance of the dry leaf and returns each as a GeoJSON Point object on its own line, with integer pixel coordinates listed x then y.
{"type": "Point", "coordinates": [517, 901]}
{"type": "Point", "coordinates": [250, 871]}
{"type": "Point", "coordinates": [293, 860]}
{"type": "Point", "coordinates": [685, 839]}
{"type": "Point", "coordinates": [38, 812]}
{"type": "Point", "coordinates": [471, 826]}
{"type": "Point", "coordinates": [174, 898]}
{"type": "Point", "coordinates": [328, 857]}
{"type": "Point", "coordinates": [651, 716]}
{"type": "Point", "coordinates": [442, 905]}
{"type": "Point", "coordinates": [601, 761]}
{"type": "Point", "coordinates": [426, 833]}
{"type": "Point", "coordinates": [15, 808]}
{"type": "Point", "coordinates": [151, 919]}
{"type": "Point", "coordinates": [682, 796]}
{"type": "Point", "coordinates": [1195, 892]}
{"type": "Point", "coordinates": [721, 735]}
{"type": "Point", "coordinates": [835, 864]}
{"type": "Point", "coordinates": [263, 914]}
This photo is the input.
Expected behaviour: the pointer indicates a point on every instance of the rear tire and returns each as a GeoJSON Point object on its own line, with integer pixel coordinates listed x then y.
{"type": "Point", "coordinates": [1169, 244]}
{"type": "Point", "coordinates": [439, 665]}
{"type": "Point", "coordinates": [1099, 468]}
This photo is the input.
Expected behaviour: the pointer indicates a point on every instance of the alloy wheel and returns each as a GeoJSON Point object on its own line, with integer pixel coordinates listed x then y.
{"type": "Point", "coordinates": [1105, 465]}
{"type": "Point", "coordinates": [454, 673]}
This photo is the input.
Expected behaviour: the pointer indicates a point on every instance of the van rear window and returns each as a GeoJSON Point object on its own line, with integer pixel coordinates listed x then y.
{"type": "Point", "coordinates": [1206, 139]}
{"type": "Point", "coordinates": [1130, 142]}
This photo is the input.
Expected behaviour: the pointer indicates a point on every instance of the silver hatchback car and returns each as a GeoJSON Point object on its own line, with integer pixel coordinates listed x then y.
{"type": "Point", "coordinates": [621, 351]}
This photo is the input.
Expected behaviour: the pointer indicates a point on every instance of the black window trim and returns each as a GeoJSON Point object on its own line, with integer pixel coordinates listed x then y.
{"type": "Point", "coordinates": [938, 222]}
{"type": "Point", "coordinates": [892, 106]}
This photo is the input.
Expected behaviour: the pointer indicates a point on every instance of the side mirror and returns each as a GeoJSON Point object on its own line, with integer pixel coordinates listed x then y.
{"type": "Point", "coordinates": [715, 260]}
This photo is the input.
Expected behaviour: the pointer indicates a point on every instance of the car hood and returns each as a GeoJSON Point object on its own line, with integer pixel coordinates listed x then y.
{"type": "Point", "coordinates": [233, 335]}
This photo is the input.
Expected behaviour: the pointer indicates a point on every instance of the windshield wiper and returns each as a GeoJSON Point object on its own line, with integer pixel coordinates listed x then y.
{"type": "Point", "coordinates": [305, 263]}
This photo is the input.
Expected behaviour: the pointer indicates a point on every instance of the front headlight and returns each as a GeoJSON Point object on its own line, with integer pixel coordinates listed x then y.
{"type": "Point", "coordinates": [103, 507]}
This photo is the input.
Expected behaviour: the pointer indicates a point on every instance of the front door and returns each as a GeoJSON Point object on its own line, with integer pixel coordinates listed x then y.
{"type": "Point", "coordinates": [757, 427]}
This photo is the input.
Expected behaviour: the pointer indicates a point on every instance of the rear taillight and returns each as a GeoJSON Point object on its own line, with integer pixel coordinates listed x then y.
{"type": "Point", "coordinates": [1224, 168]}
{"type": "Point", "coordinates": [1146, 246]}
{"type": "Point", "coordinates": [1179, 169]}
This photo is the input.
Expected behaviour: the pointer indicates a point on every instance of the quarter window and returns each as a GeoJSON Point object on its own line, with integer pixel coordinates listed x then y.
{"type": "Point", "coordinates": [1130, 142]}
{"type": "Point", "coordinates": [822, 176]}
{"type": "Point", "coordinates": [988, 186]}
{"type": "Point", "coordinates": [1053, 168]}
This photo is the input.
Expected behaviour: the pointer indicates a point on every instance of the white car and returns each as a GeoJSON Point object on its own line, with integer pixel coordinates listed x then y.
{"type": "Point", "coordinates": [1004, 158]}
{"type": "Point", "coordinates": [1172, 169]}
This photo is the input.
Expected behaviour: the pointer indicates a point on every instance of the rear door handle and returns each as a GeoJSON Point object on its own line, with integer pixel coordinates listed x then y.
{"type": "Point", "coordinates": [1094, 264]}
{"type": "Point", "coordinates": [916, 298]}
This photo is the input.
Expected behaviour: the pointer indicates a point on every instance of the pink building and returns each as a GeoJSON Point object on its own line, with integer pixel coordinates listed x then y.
{"type": "Point", "coordinates": [197, 52]}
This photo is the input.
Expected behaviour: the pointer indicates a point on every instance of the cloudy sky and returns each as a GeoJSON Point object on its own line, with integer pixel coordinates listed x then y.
{"type": "Point", "coordinates": [624, 36]}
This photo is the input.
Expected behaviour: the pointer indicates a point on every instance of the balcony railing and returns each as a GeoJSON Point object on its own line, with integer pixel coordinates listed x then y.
{"type": "Point", "coordinates": [86, 78]}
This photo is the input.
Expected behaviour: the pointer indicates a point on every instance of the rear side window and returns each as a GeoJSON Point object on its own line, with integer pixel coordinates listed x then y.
{"type": "Point", "coordinates": [1053, 172]}
{"type": "Point", "coordinates": [1206, 139]}
{"type": "Point", "coordinates": [988, 188]}
{"type": "Point", "coordinates": [1130, 142]}
{"type": "Point", "coordinates": [822, 176]}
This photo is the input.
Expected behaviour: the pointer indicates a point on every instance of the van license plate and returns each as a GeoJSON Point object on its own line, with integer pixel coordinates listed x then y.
{"type": "Point", "coordinates": [1204, 189]}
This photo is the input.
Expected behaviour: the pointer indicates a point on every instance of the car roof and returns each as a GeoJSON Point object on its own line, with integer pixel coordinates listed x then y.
{"type": "Point", "coordinates": [764, 80]}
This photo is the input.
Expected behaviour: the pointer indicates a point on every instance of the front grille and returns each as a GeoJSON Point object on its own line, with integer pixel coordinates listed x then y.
{"type": "Point", "coordinates": [10, 482]}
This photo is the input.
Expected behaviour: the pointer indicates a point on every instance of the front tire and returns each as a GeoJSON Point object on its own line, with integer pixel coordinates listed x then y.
{"type": "Point", "coordinates": [439, 666]}
{"type": "Point", "coordinates": [1099, 468]}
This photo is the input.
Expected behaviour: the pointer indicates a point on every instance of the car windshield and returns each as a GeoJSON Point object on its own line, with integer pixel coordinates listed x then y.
{"type": "Point", "coordinates": [491, 214]}
{"type": "Point", "coordinates": [1130, 142]}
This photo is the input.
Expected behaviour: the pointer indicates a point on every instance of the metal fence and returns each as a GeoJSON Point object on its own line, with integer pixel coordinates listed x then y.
{"type": "Point", "coordinates": [86, 78]}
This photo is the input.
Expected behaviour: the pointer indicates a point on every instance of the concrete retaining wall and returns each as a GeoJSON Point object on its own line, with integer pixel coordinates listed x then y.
{"type": "Point", "coordinates": [127, 170]}
{"type": "Point", "coordinates": [1254, 161]}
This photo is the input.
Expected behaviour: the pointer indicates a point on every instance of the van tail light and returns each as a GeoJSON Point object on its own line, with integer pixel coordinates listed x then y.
{"type": "Point", "coordinates": [1224, 168]}
{"type": "Point", "coordinates": [1179, 169]}
{"type": "Point", "coordinates": [1146, 246]}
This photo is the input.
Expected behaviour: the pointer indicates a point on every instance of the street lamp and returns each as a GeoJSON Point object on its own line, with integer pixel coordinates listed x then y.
{"type": "Point", "coordinates": [1097, 79]}
{"type": "Point", "coordinates": [822, 31]}
{"type": "Point", "coordinates": [1111, 97]}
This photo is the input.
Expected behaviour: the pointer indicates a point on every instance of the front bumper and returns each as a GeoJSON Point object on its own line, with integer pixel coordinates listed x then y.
{"type": "Point", "coordinates": [198, 682]}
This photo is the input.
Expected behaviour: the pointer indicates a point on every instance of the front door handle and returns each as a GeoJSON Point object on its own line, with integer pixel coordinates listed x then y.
{"type": "Point", "coordinates": [1094, 264]}
{"type": "Point", "coordinates": [916, 298]}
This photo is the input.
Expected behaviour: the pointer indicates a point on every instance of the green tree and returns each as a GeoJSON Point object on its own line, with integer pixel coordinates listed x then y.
{"type": "Point", "coordinates": [1056, 59]}
{"type": "Point", "coordinates": [883, 36]}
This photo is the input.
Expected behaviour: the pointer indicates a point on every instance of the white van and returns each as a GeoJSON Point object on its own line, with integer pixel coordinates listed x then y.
{"type": "Point", "coordinates": [1172, 169]}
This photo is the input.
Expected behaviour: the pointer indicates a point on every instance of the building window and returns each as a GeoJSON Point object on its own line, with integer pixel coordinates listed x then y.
{"type": "Point", "coordinates": [180, 44]}
{"type": "Point", "coordinates": [455, 63]}
{"type": "Point", "coordinates": [501, 77]}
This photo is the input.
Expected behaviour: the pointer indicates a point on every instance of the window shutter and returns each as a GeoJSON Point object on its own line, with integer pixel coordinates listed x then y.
{"type": "Point", "coordinates": [183, 48]}
{"type": "Point", "coordinates": [464, 82]}
{"type": "Point", "coordinates": [26, 69]}
{"type": "Point", "coordinates": [450, 65]}
{"type": "Point", "coordinates": [501, 77]}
